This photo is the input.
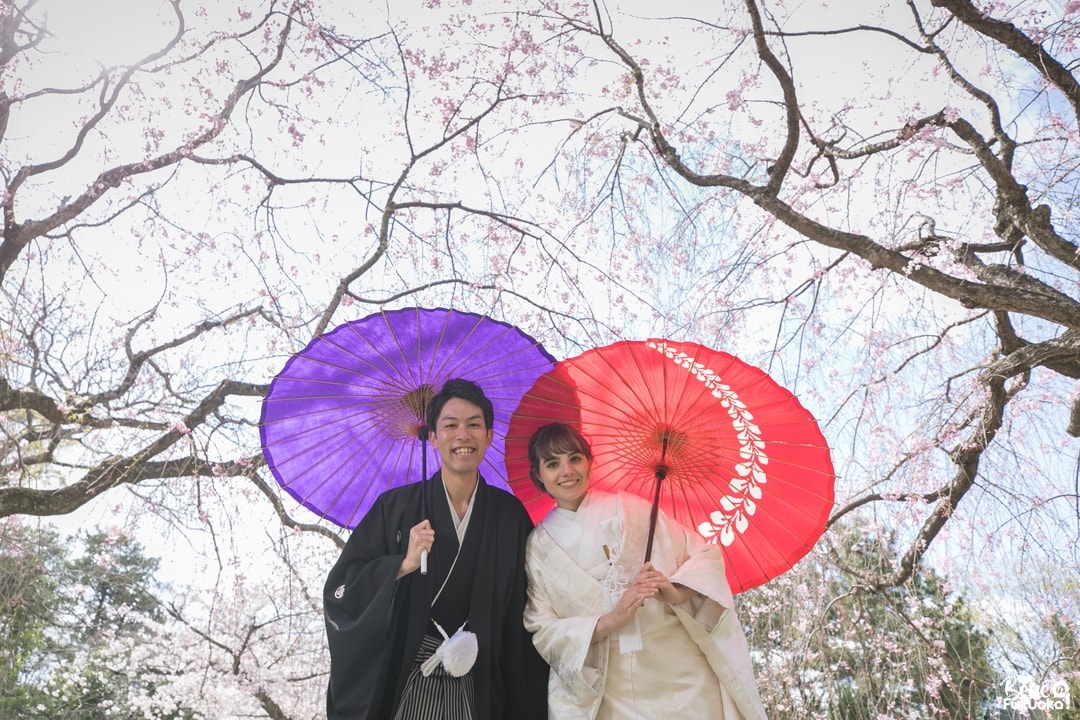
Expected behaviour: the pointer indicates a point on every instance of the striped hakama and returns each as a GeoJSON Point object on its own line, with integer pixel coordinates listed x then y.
{"type": "Point", "coordinates": [440, 695]}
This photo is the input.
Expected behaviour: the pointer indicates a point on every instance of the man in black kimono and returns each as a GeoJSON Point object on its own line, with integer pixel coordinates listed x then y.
{"type": "Point", "coordinates": [383, 619]}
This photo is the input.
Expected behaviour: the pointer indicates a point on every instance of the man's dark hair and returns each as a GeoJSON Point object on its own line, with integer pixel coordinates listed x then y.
{"type": "Point", "coordinates": [465, 390]}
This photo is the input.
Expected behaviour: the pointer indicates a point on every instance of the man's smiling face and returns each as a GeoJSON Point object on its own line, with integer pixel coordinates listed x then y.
{"type": "Point", "coordinates": [461, 437]}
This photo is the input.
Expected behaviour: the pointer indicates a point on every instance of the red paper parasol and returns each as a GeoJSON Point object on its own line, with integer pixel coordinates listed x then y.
{"type": "Point", "coordinates": [739, 457]}
{"type": "Point", "coordinates": [343, 420]}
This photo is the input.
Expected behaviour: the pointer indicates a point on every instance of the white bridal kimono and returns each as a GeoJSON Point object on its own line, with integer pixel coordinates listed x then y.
{"type": "Point", "coordinates": [685, 661]}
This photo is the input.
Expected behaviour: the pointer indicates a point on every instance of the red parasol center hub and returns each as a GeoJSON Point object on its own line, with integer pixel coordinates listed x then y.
{"type": "Point", "coordinates": [715, 443]}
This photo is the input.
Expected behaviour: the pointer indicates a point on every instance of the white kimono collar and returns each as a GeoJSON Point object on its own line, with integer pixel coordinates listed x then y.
{"type": "Point", "coordinates": [462, 524]}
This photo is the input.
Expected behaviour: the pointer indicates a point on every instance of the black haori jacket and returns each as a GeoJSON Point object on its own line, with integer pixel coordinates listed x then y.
{"type": "Point", "coordinates": [374, 623]}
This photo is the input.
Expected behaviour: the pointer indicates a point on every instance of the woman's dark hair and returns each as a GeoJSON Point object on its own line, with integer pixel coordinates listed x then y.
{"type": "Point", "coordinates": [465, 390]}
{"type": "Point", "coordinates": [551, 440]}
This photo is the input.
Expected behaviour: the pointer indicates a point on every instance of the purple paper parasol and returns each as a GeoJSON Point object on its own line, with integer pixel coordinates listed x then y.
{"type": "Point", "coordinates": [341, 421]}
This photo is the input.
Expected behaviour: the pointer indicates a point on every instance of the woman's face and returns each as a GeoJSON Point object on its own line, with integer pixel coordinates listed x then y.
{"type": "Point", "coordinates": [565, 477]}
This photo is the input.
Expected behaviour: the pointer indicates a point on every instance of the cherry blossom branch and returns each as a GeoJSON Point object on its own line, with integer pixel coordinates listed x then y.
{"type": "Point", "coordinates": [391, 206]}
{"type": "Point", "coordinates": [966, 459]}
{"type": "Point", "coordinates": [139, 466]}
{"type": "Point", "coordinates": [1014, 39]}
{"type": "Point", "coordinates": [18, 235]}
{"type": "Point", "coordinates": [286, 519]}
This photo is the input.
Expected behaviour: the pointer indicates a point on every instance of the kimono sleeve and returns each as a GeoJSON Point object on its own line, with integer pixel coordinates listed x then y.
{"type": "Point", "coordinates": [358, 607]}
{"type": "Point", "coordinates": [697, 565]}
{"type": "Point", "coordinates": [565, 642]}
{"type": "Point", "coordinates": [711, 621]}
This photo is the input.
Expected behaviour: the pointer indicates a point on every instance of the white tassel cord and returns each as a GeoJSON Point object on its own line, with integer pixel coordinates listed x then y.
{"type": "Point", "coordinates": [457, 654]}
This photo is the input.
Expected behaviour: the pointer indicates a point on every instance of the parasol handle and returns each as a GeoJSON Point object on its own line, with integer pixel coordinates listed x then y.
{"type": "Point", "coordinates": [661, 473]}
{"type": "Point", "coordinates": [422, 434]}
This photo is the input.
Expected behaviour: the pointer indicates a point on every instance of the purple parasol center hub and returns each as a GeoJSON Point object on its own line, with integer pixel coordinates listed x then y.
{"type": "Point", "coordinates": [344, 420]}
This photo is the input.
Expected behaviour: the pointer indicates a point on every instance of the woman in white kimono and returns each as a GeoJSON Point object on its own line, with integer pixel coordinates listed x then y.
{"type": "Point", "coordinates": [627, 639]}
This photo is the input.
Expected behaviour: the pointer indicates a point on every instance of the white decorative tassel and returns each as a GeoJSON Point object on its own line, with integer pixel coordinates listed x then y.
{"type": "Point", "coordinates": [457, 654]}
{"type": "Point", "coordinates": [461, 651]}
{"type": "Point", "coordinates": [615, 583]}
